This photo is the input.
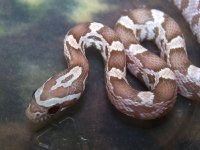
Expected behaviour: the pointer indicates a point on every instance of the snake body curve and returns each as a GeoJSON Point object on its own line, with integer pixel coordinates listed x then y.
{"type": "Point", "coordinates": [140, 24]}
{"type": "Point", "coordinates": [191, 11]}
{"type": "Point", "coordinates": [63, 89]}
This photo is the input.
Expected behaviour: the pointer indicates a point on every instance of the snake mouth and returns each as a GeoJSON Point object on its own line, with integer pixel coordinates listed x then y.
{"type": "Point", "coordinates": [36, 117]}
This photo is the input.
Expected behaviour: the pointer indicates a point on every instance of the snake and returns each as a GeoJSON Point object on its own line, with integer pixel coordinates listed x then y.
{"type": "Point", "coordinates": [63, 89]}
{"type": "Point", "coordinates": [121, 48]}
{"type": "Point", "coordinates": [166, 33]}
{"type": "Point", "coordinates": [190, 9]}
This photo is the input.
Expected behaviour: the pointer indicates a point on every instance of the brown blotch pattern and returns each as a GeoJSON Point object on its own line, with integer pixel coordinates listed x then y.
{"type": "Point", "coordinates": [126, 35]}
{"type": "Point", "coordinates": [108, 34]}
{"type": "Point", "coordinates": [121, 88]}
{"type": "Point", "coordinates": [179, 59]}
{"type": "Point", "coordinates": [61, 92]}
{"type": "Point", "coordinates": [145, 15]}
{"type": "Point", "coordinates": [118, 59]}
{"type": "Point", "coordinates": [165, 90]}
{"type": "Point", "coordinates": [151, 61]}
{"type": "Point", "coordinates": [79, 31]}
{"type": "Point", "coordinates": [172, 28]}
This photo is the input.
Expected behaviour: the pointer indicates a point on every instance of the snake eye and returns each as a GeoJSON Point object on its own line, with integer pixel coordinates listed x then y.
{"type": "Point", "coordinates": [34, 92]}
{"type": "Point", "coordinates": [53, 109]}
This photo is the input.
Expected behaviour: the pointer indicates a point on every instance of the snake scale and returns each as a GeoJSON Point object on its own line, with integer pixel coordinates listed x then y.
{"type": "Point", "coordinates": [121, 48]}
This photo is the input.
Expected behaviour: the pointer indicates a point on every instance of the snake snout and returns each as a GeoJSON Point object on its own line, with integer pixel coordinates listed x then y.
{"type": "Point", "coordinates": [36, 113]}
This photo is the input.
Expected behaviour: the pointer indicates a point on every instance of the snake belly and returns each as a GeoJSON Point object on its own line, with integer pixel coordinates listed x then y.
{"type": "Point", "coordinates": [63, 89]}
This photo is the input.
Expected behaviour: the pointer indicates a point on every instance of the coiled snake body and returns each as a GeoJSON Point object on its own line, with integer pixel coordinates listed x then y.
{"type": "Point", "coordinates": [157, 26]}
{"type": "Point", "coordinates": [191, 11]}
{"type": "Point", "coordinates": [62, 90]}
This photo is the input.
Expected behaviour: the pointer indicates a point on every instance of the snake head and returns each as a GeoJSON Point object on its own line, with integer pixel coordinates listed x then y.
{"type": "Point", "coordinates": [37, 113]}
{"type": "Point", "coordinates": [55, 95]}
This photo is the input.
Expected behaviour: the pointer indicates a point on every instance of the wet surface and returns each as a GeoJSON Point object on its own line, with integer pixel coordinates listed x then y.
{"type": "Point", "coordinates": [31, 50]}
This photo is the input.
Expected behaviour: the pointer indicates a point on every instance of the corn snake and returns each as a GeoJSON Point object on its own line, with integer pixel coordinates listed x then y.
{"type": "Point", "coordinates": [62, 90]}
